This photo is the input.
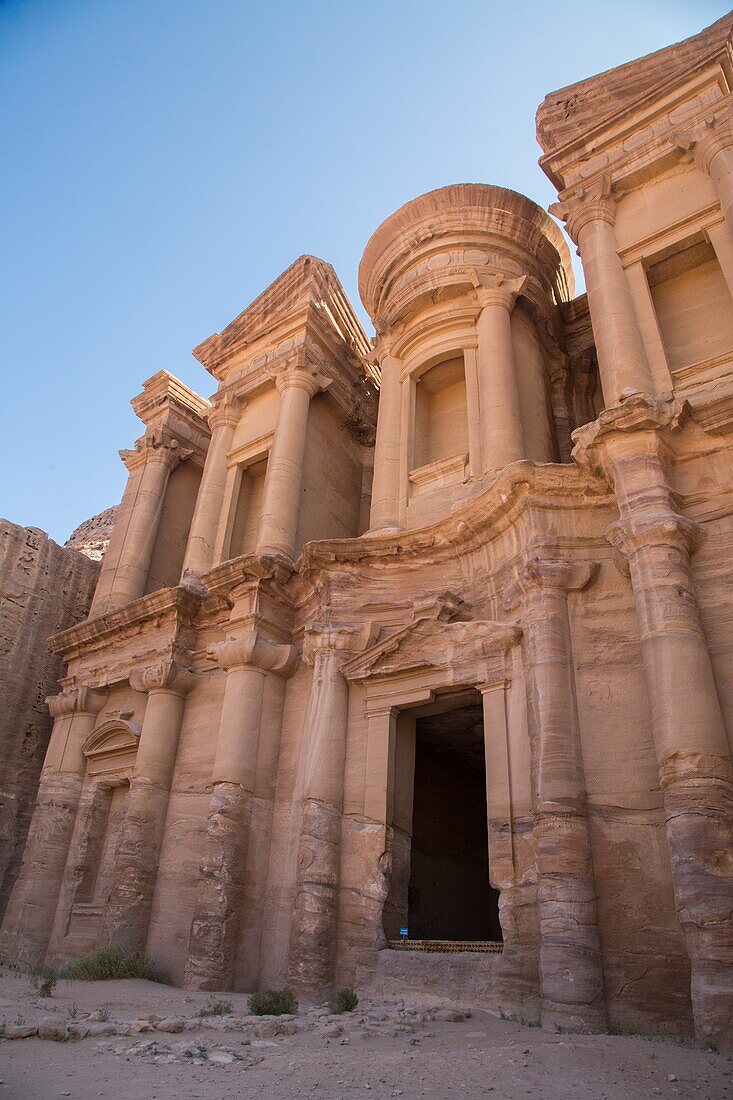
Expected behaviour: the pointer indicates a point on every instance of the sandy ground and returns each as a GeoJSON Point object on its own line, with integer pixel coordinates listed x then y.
{"type": "Point", "coordinates": [381, 1050]}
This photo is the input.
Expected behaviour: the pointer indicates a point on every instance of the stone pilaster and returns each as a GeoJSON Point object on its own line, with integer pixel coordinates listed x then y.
{"type": "Point", "coordinates": [130, 903]}
{"type": "Point", "coordinates": [501, 415]}
{"type": "Point", "coordinates": [315, 910]}
{"type": "Point", "coordinates": [630, 443]}
{"type": "Point", "coordinates": [622, 362]}
{"type": "Point", "coordinates": [32, 908]}
{"type": "Point", "coordinates": [278, 527]}
{"type": "Point", "coordinates": [223, 419]}
{"type": "Point", "coordinates": [385, 506]}
{"type": "Point", "coordinates": [571, 969]}
{"type": "Point", "coordinates": [124, 574]}
{"type": "Point", "coordinates": [214, 937]}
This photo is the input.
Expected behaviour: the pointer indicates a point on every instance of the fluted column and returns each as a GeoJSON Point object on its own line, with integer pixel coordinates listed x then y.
{"type": "Point", "coordinates": [278, 527]}
{"type": "Point", "coordinates": [124, 574]}
{"type": "Point", "coordinates": [501, 414]}
{"type": "Point", "coordinates": [315, 909]}
{"type": "Point", "coordinates": [622, 360]}
{"type": "Point", "coordinates": [214, 936]}
{"type": "Point", "coordinates": [130, 903]}
{"type": "Point", "coordinates": [32, 907]}
{"type": "Point", "coordinates": [385, 506]}
{"type": "Point", "coordinates": [223, 419]}
{"type": "Point", "coordinates": [692, 748]}
{"type": "Point", "coordinates": [571, 970]}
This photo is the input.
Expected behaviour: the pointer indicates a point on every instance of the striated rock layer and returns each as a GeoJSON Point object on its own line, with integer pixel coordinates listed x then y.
{"type": "Point", "coordinates": [43, 588]}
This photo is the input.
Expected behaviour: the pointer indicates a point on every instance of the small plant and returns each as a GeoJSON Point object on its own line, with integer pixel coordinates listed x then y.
{"type": "Point", "coordinates": [73, 1010]}
{"type": "Point", "coordinates": [202, 1052]}
{"type": "Point", "coordinates": [19, 1020]}
{"type": "Point", "coordinates": [345, 1000]}
{"type": "Point", "coordinates": [110, 964]}
{"type": "Point", "coordinates": [43, 980]}
{"type": "Point", "coordinates": [103, 1014]}
{"type": "Point", "coordinates": [273, 1002]}
{"type": "Point", "coordinates": [215, 1008]}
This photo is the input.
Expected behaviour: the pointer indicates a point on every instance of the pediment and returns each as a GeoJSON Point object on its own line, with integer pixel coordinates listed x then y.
{"type": "Point", "coordinates": [434, 639]}
{"type": "Point", "coordinates": [579, 109]}
{"type": "Point", "coordinates": [112, 738]}
{"type": "Point", "coordinates": [309, 285]}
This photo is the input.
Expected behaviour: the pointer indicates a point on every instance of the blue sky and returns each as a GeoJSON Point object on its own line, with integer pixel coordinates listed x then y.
{"type": "Point", "coordinates": [164, 160]}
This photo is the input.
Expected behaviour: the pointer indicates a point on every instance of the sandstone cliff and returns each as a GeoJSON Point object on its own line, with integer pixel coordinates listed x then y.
{"type": "Point", "coordinates": [43, 588]}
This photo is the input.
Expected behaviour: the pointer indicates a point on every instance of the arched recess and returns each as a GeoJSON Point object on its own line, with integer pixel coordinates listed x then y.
{"type": "Point", "coordinates": [110, 752]}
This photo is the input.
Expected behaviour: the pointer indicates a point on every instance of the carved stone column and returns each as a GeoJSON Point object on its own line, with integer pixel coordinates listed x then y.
{"type": "Point", "coordinates": [315, 909]}
{"type": "Point", "coordinates": [385, 507]}
{"type": "Point", "coordinates": [223, 419]}
{"type": "Point", "coordinates": [711, 146]}
{"type": "Point", "coordinates": [124, 574]}
{"type": "Point", "coordinates": [32, 907]}
{"type": "Point", "coordinates": [501, 414]}
{"type": "Point", "coordinates": [571, 970]}
{"type": "Point", "coordinates": [278, 528]}
{"type": "Point", "coordinates": [622, 360]}
{"type": "Point", "coordinates": [214, 937]}
{"type": "Point", "coordinates": [141, 836]}
{"type": "Point", "coordinates": [695, 771]}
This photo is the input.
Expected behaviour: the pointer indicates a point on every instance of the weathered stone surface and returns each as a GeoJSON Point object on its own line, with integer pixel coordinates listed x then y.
{"type": "Point", "coordinates": [91, 538]}
{"type": "Point", "coordinates": [450, 714]}
{"type": "Point", "coordinates": [44, 588]}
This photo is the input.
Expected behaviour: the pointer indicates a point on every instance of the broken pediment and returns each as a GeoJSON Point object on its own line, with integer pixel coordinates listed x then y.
{"type": "Point", "coordinates": [436, 638]}
{"type": "Point", "coordinates": [577, 110]}
{"type": "Point", "coordinates": [308, 286]}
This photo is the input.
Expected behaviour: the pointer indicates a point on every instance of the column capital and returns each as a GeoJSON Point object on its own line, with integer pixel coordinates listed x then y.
{"type": "Point", "coordinates": [669, 529]}
{"type": "Point", "coordinates": [251, 650]}
{"type": "Point", "coordinates": [639, 412]}
{"type": "Point", "coordinates": [155, 446]}
{"type": "Point", "coordinates": [301, 377]}
{"type": "Point", "coordinates": [79, 699]}
{"type": "Point", "coordinates": [592, 203]}
{"type": "Point", "coordinates": [540, 574]}
{"type": "Point", "coordinates": [497, 289]}
{"type": "Point", "coordinates": [226, 410]}
{"type": "Point", "coordinates": [327, 637]}
{"type": "Point", "coordinates": [711, 136]}
{"type": "Point", "coordinates": [167, 674]}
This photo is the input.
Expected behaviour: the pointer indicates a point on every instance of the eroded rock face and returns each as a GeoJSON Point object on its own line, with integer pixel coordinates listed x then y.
{"type": "Point", "coordinates": [91, 537]}
{"type": "Point", "coordinates": [43, 588]}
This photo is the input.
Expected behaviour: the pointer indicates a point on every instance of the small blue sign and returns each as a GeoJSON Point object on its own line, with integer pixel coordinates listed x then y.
{"type": "Point", "coordinates": [404, 931]}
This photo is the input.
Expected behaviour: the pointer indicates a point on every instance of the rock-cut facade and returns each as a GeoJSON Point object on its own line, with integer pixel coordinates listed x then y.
{"type": "Point", "coordinates": [415, 651]}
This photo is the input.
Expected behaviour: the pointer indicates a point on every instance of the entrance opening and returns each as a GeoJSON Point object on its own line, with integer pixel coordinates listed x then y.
{"type": "Point", "coordinates": [440, 888]}
{"type": "Point", "coordinates": [449, 896]}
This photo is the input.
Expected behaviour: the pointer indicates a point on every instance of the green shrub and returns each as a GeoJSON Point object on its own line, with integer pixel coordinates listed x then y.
{"type": "Point", "coordinates": [43, 980]}
{"type": "Point", "coordinates": [345, 1000]}
{"type": "Point", "coordinates": [273, 1002]}
{"type": "Point", "coordinates": [109, 964]}
{"type": "Point", "coordinates": [215, 1008]}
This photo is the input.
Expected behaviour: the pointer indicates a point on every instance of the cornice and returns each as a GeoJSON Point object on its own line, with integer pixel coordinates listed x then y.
{"type": "Point", "coordinates": [519, 486]}
{"type": "Point", "coordinates": [176, 604]}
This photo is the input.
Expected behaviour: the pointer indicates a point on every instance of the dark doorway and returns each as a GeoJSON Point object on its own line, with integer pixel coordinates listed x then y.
{"type": "Point", "coordinates": [450, 897]}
